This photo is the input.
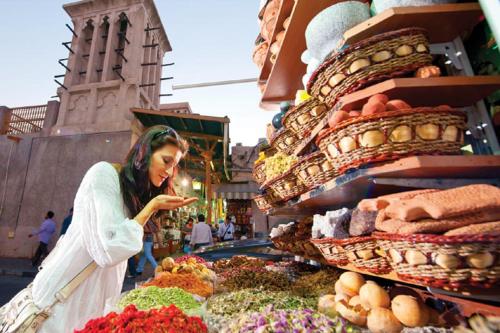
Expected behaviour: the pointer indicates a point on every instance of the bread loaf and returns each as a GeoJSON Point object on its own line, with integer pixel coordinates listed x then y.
{"type": "Point", "coordinates": [445, 204]}
{"type": "Point", "coordinates": [385, 200]}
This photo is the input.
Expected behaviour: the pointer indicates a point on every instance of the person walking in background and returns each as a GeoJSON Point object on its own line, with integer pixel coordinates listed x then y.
{"type": "Point", "coordinates": [150, 229]}
{"type": "Point", "coordinates": [186, 232]}
{"type": "Point", "coordinates": [67, 222]}
{"type": "Point", "coordinates": [202, 234]}
{"type": "Point", "coordinates": [226, 230]}
{"type": "Point", "coordinates": [47, 229]}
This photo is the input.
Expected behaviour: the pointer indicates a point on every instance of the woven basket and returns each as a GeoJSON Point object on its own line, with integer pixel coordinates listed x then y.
{"type": "Point", "coordinates": [314, 170]}
{"type": "Point", "coordinates": [333, 254]}
{"type": "Point", "coordinates": [450, 262]}
{"type": "Point", "coordinates": [285, 141]}
{"type": "Point", "coordinates": [392, 135]}
{"type": "Point", "coordinates": [304, 117]}
{"type": "Point", "coordinates": [365, 254]}
{"type": "Point", "coordinates": [259, 172]}
{"type": "Point", "coordinates": [267, 201]}
{"type": "Point", "coordinates": [287, 186]}
{"type": "Point", "coordinates": [379, 58]}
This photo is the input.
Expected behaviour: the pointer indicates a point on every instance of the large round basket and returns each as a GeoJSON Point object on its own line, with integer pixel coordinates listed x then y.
{"type": "Point", "coordinates": [285, 141]}
{"type": "Point", "coordinates": [267, 201]}
{"type": "Point", "coordinates": [381, 57]}
{"type": "Point", "coordinates": [392, 135]}
{"type": "Point", "coordinates": [287, 186]}
{"type": "Point", "coordinates": [259, 172]}
{"type": "Point", "coordinates": [333, 254]}
{"type": "Point", "coordinates": [304, 117]}
{"type": "Point", "coordinates": [450, 262]}
{"type": "Point", "coordinates": [314, 170]}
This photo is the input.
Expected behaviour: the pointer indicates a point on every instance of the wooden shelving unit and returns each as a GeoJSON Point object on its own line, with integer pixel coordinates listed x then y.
{"type": "Point", "coordinates": [443, 22]}
{"type": "Point", "coordinates": [404, 174]}
{"type": "Point", "coordinates": [456, 91]}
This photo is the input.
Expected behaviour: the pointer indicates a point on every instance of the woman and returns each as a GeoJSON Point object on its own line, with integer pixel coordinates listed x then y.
{"type": "Point", "coordinates": [110, 211]}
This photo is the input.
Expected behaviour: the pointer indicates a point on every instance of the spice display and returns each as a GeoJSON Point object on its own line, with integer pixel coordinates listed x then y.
{"type": "Point", "coordinates": [278, 164]}
{"type": "Point", "coordinates": [238, 261]}
{"type": "Point", "coordinates": [243, 278]}
{"type": "Point", "coordinates": [166, 319]}
{"type": "Point", "coordinates": [255, 300]}
{"type": "Point", "coordinates": [187, 281]}
{"type": "Point", "coordinates": [189, 264]}
{"type": "Point", "coordinates": [153, 297]}
{"type": "Point", "coordinates": [320, 283]}
{"type": "Point", "coordinates": [189, 258]}
{"type": "Point", "coordinates": [296, 321]}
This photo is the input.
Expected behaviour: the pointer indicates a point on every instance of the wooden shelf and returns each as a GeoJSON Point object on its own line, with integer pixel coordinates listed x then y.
{"type": "Point", "coordinates": [284, 11]}
{"type": "Point", "coordinates": [285, 77]}
{"type": "Point", "coordinates": [443, 22]}
{"type": "Point", "coordinates": [404, 174]}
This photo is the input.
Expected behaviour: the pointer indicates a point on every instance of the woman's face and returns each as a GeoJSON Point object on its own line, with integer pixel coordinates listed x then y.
{"type": "Point", "coordinates": [163, 162]}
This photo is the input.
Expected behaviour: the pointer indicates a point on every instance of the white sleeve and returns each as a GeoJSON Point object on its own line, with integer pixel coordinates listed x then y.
{"type": "Point", "coordinates": [108, 235]}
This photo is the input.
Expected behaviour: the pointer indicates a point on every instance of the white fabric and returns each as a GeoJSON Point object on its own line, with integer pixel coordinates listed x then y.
{"type": "Point", "coordinates": [229, 234]}
{"type": "Point", "coordinates": [201, 234]}
{"type": "Point", "coordinates": [100, 231]}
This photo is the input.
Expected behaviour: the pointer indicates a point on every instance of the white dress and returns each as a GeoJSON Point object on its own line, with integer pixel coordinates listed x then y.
{"type": "Point", "coordinates": [100, 231]}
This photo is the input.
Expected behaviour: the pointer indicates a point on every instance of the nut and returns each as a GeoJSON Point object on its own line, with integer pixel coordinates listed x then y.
{"type": "Point", "coordinates": [303, 118]}
{"type": "Point", "coordinates": [318, 110]}
{"type": "Point", "coordinates": [313, 170]}
{"type": "Point", "coordinates": [372, 138]}
{"type": "Point", "coordinates": [480, 260]}
{"type": "Point", "coordinates": [336, 79]}
{"type": "Point", "coordinates": [303, 174]}
{"type": "Point", "coordinates": [334, 152]}
{"type": "Point", "coordinates": [351, 256]}
{"type": "Point", "coordinates": [359, 64]}
{"type": "Point", "coordinates": [421, 48]}
{"type": "Point", "coordinates": [347, 144]}
{"type": "Point", "coordinates": [365, 254]}
{"type": "Point", "coordinates": [448, 261]}
{"type": "Point", "coordinates": [396, 256]}
{"type": "Point", "coordinates": [282, 145]}
{"type": "Point", "coordinates": [404, 50]}
{"type": "Point", "coordinates": [381, 56]}
{"type": "Point", "coordinates": [401, 134]}
{"type": "Point", "coordinates": [326, 166]}
{"type": "Point", "coordinates": [290, 140]}
{"type": "Point", "coordinates": [415, 258]}
{"type": "Point", "coordinates": [450, 133]}
{"type": "Point", "coordinates": [289, 185]}
{"type": "Point", "coordinates": [325, 90]}
{"type": "Point", "coordinates": [428, 131]}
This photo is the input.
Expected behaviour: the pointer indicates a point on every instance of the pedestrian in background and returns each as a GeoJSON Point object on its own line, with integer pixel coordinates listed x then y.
{"type": "Point", "coordinates": [47, 229]}
{"type": "Point", "coordinates": [67, 221]}
{"type": "Point", "coordinates": [226, 230]}
{"type": "Point", "coordinates": [202, 234]}
{"type": "Point", "coordinates": [150, 229]}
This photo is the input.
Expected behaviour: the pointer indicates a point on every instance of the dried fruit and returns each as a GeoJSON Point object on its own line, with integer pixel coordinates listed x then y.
{"type": "Point", "coordinates": [381, 320]}
{"type": "Point", "coordinates": [410, 311]}
{"type": "Point", "coordinates": [374, 296]}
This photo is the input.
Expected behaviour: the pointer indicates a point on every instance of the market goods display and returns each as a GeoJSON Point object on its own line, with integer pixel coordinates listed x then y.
{"type": "Point", "coordinates": [294, 237]}
{"type": "Point", "coordinates": [187, 281]}
{"type": "Point", "coordinates": [236, 262]}
{"type": "Point", "coordinates": [165, 319]}
{"type": "Point", "coordinates": [375, 59]}
{"type": "Point", "coordinates": [300, 321]}
{"type": "Point", "coordinates": [285, 141]}
{"type": "Point", "coordinates": [154, 297]}
{"type": "Point", "coordinates": [302, 118]}
{"type": "Point", "coordinates": [393, 134]}
{"type": "Point", "coordinates": [314, 169]}
{"type": "Point", "coordinates": [267, 200]}
{"type": "Point", "coordinates": [278, 164]}
{"type": "Point", "coordinates": [255, 300]}
{"type": "Point", "coordinates": [188, 258]}
{"type": "Point", "coordinates": [316, 284]}
{"type": "Point", "coordinates": [186, 265]}
{"type": "Point", "coordinates": [378, 6]}
{"type": "Point", "coordinates": [245, 278]}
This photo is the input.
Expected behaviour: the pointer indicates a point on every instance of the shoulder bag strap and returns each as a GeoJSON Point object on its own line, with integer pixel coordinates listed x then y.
{"type": "Point", "coordinates": [65, 292]}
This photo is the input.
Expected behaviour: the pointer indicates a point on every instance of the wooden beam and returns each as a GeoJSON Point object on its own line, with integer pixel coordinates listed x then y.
{"type": "Point", "coordinates": [210, 137]}
{"type": "Point", "coordinates": [181, 115]}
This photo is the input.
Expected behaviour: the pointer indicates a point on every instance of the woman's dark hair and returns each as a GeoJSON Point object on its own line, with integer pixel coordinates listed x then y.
{"type": "Point", "coordinates": [137, 189]}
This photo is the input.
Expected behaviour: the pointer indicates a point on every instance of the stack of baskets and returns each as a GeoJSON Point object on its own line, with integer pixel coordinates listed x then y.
{"type": "Point", "coordinates": [314, 169]}
{"type": "Point", "coordinates": [267, 201]}
{"type": "Point", "coordinates": [285, 141]}
{"type": "Point", "coordinates": [304, 117]}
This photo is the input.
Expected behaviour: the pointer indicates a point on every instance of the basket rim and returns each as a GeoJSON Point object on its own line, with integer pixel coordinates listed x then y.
{"type": "Point", "coordinates": [342, 242]}
{"type": "Point", "coordinates": [363, 43]}
{"type": "Point", "coordinates": [388, 114]}
{"type": "Point", "coordinates": [271, 181]}
{"type": "Point", "coordinates": [310, 100]}
{"type": "Point", "coordinates": [437, 239]}
{"type": "Point", "coordinates": [282, 131]}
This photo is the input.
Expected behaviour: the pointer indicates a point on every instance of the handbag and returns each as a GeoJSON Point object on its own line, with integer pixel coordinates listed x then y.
{"type": "Point", "coordinates": [21, 315]}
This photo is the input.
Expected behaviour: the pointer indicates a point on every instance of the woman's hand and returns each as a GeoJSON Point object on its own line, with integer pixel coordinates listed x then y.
{"type": "Point", "coordinates": [162, 202]}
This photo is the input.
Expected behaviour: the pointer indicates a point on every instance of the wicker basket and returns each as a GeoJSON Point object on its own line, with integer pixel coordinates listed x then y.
{"type": "Point", "coordinates": [388, 55]}
{"type": "Point", "coordinates": [450, 262]}
{"type": "Point", "coordinates": [314, 170]}
{"type": "Point", "coordinates": [287, 186]}
{"type": "Point", "coordinates": [285, 141]}
{"type": "Point", "coordinates": [365, 254]}
{"type": "Point", "coordinates": [333, 254]}
{"type": "Point", "coordinates": [304, 117]}
{"type": "Point", "coordinates": [392, 135]}
{"type": "Point", "coordinates": [259, 172]}
{"type": "Point", "coordinates": [267, 201]}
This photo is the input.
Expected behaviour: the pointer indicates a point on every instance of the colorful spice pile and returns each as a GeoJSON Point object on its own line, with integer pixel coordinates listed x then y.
{"type": "Point", "coordinates": [244, 278]}
{"type": "Point", "coordinates": [189, 257]}
{"type": "Point", "coordinates": [190, 265]}
{"type": "Point", "coordinates": [154, 297]}
{"type": "Point", "coordinates": [320, 283]}
{"type": "Point", "coordinates": [238, 261]}
{"type": "Point", "coordinates": [297, 321]}
{"type": "Point", "coordinates": [254, 300]}
{"type": "Point", "coordinates": [166, 319]}
{"type": "Point", "coordinates": [190, 282]}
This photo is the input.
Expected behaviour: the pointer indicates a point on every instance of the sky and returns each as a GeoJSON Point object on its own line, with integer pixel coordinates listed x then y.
{"type": "Point", "coordinates": [212, 40]}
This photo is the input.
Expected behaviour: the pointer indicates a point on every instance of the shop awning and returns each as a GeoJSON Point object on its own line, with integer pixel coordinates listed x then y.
{"type": "Point", "coordinates": [236, 191]}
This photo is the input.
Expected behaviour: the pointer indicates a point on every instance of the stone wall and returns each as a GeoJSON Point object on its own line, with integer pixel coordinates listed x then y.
{"type": "Point", "coordinates": [44, 174]}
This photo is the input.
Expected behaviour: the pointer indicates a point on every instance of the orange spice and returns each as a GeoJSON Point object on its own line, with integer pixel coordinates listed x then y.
{"type": "Point", "coordinates": [187, 281]}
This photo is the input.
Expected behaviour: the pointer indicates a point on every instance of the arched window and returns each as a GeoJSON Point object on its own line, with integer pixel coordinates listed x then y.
{"type": "Point", "coordinates": [83, 54]}
{"type": "Point", "coordinates": [102, 41]}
